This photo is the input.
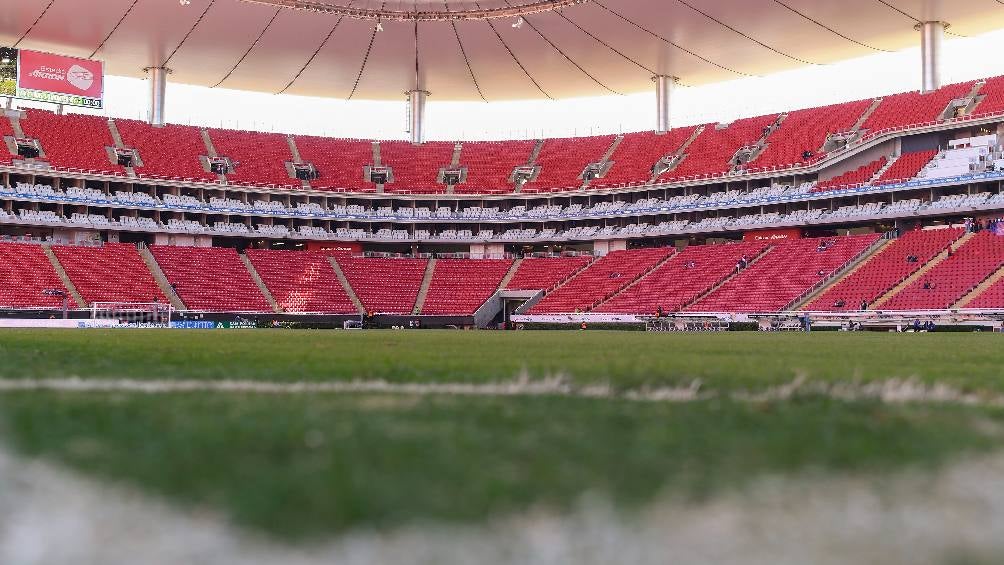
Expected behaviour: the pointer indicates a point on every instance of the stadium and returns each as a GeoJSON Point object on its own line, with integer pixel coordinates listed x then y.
{"type": "Point", "coordinates": [768, 339]}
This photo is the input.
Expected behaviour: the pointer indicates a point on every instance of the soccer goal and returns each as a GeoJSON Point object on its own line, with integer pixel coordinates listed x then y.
{"type": "Point", "coordinates": [133, 312]}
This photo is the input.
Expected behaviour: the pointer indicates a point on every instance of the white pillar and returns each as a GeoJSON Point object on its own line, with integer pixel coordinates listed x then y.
{"type": "Point", "coordinates": [416, 115]}
{"type": "Point", "coordinates": [158, 92]}
{"type": "Point", "coordinates": [932, 34]}
{"type": "Point", "coordinates": [664, 85]}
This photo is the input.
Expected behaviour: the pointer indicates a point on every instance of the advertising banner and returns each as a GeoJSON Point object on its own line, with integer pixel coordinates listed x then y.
{"type": "Point", "coordinates": [773, 235]}
{"type": "Point", "coordinates": [45, 77]}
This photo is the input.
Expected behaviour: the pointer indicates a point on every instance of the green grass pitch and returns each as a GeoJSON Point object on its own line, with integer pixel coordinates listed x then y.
{"type": "Point", "coordinates": [309, 466]}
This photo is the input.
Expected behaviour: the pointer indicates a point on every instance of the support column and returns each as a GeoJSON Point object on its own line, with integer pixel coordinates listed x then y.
{"type": "Point", "coordinates": [664, 85]}
{"type": "Point", "coordinates": [932, 35]}
{"type": "Point", "coordinates": [158, 92]}
{"type": "Point", "coordinates": [416, 115]}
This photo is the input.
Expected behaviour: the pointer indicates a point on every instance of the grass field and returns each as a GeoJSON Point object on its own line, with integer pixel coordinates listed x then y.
{"type": "Point", "coordinates": [310, 466]}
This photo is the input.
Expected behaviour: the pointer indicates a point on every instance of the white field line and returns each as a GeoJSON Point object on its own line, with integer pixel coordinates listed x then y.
{"type": "Point", "coordinates": [893, 391]}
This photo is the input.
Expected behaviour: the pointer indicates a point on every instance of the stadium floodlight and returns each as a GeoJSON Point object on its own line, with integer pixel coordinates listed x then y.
{"type": "Point", "coordinates": [379, 27]}
{"type": "Point", "coordinates": [345, 8]}
{"type": "Point", "coordinates": [518, 24]}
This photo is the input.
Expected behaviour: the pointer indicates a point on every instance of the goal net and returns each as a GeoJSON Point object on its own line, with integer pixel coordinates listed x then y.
{"type": "Point", "coordinates": [133, 312]}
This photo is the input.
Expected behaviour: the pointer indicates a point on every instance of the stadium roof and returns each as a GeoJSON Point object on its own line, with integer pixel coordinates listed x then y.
{"type": "Point", "coordinates": [475, 49]}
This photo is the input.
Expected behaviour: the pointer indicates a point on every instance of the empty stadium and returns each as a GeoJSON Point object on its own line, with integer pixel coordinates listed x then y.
{"type": "Point", "coordinates": [260, 330]}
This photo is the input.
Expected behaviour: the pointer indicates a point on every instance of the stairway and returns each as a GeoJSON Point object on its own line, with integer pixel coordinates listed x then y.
{"type": "Point", "coordinates": [512, 273]}
{"type": "Point", "coordinates": [890, 161]}
{"type": "Point", "coordinates": [81, 303]}
{"type": "Point", "coordinates": [161, 278]}
{"type": "Point", "coordinates": [346, 285]}
{"type": "Point", "coordinates": [297, 158]}
{"type": "Point", "coordinates": [211, 149]}
{"type": "Point", "coordinates": [868, 113]}
{"type": "Point", "coordinates": [877, 305]}
{"type": "Point", "coordinates": [375, 148]}
{"type": "Point", "coordinates": [732, 275]}
{"type": "Point", "coordinates": [680, 153]}
{"type": "Point", "coordinates": [605, 159]}
{"type": "Point", "coordinates": [423, 292]}
{"type": "Point", "coordinates": [841, 275]}
{"type": "Point", "coordinates": [979, 289]}
{"type": "Point", "coordinates": [15, 124]}
{"type": "Point", "coordinates": [637, 280]}
{"type": "Point", "coordinates": [261, 284]}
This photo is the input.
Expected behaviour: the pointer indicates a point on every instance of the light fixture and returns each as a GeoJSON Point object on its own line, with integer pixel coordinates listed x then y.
{"type": "Point", "coordinates": [379, 26]}
{"type": "Point", "coordinates": [184, 2]}
{"type": "Point", "coordinates": [518, 23]}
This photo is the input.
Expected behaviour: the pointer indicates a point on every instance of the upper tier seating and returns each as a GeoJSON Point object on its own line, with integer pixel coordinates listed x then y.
{"type": "Point", "coordinates": [491, 163]}
{"type": "Point", "coordinates": [910, 108]}
{"type": "Point", "coordinates": [906, 167]}
{"type": "Point", "coordinates": [114, 272]}
{"type": "Point", "coordinates": [385, 286]}
{"type": "Point", "coordinates": [993, 101]}
{"type": "Point", "coordinates": [26, 274]}
{"type": "Point", "coordinates": [884, 271]}
{"type": "Point", "coordinates": [992, 297]}
{"type": "Point", "coordinates": [416, 167]}
{"type": "Point", "coordinates": [301, 281]}
{"type": "Point", "coordinates": [601, 280]}
{"type": "Point", "coordinates": [638, 152]}
{"type": "Point", "coordinates": [6, 129]}
{"type": "Point", "coordinates": [339, 162]}
{"type": "Point", "coordinates": [213, 279]}
{"type": "Point", "coordinates": [784, 274]}
{"type": "Point", "coordinates": [562, 161]}
{"type": "Point", "coordinates": [260, 157]}
{"type": "Point", "coordinates": [807, 130]}
{"type": "Point", "coordinates": [167, 152]}
{"type": "Point", "coordinates": [72, 141]}
{"type": "Point", "coordinates": [712, 151]}
{"type": "Point", "coordinates": [546, 273]}
{"type": "Point", "coordinates": [682, 279]}
{"type": "Point", "coordinates": [953, 278]}
{"type": "Point", "coordinates": [860, 176]}
{"type": "Point", "coordinates": [460, 286]}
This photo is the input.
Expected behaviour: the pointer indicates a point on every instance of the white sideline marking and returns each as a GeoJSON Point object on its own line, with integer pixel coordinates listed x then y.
{"type": "Point", "coordinates": [892, 391]}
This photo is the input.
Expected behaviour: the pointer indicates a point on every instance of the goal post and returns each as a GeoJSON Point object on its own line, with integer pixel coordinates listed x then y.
{"type": "Point", "coordinates": [159, 313]}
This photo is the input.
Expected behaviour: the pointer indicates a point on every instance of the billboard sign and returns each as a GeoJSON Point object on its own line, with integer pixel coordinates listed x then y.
{"type": "Point", "coordinates": [45, 77]}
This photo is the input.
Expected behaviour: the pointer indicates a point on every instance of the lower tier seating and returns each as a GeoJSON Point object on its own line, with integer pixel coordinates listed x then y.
{"type": "Point", "coordinates": [114, 272]}
{"type": "Point", "coordinates": [461, 286]}
{"type": "Point", "coordinates": [601, 280]}
{"type": "Point", "coordinates": [882, 272]}
{"type": "Point", "coordinates": [302, 281]}
{"type": "Point", "coordinates": [212, 279]}
{"type": "Point", "coordinates": [546, 273]}
{"type": "Point", "coordinates": [682, 279]}
{"type": "Point", "coordinates": [385, 286]}
{"type": "Point", "coordinates": [26, 274]}
{"type": "Point", "coordinates": [785, 273]}
{"type": "Point", "coordinates": [953, 278]}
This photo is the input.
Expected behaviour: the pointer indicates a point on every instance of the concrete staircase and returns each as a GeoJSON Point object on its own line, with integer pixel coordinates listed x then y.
{"type": "Point", "coordinates": [732, 275]}
{"type": "Point", "coordinates": [605, 160]}
{"type": "Point", "coordinates": [980, 288]}
{"type": "Point", "coordinates": [346, 285]}
{"type": "Point", "coordinates": [512, 273]}
{"type": "Point", "coordinates": [423, 292]}
{"type": "Point", "coordinates": [680, 153]}
{"type": "Point", "coordinates": [261, 284]}
{"type": "Point", "coordinates": [211, 149]}
{"type": "Point", "coordinates": [868, 113]}
{"type": "Point", "coordinates": [842, 274]}
{"type": "Point", "coordinates": [877, 305]}
{"type": "Point", "coordinates": [637, 280]}
{"type": "Point", "coordinates": [81, 303]}
{"type": "Point", "coordinates": [161, 278]}
{"type": "Point", "coordinates": [295, 151]}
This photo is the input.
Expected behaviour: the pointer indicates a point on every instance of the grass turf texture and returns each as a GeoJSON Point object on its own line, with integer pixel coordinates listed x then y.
{"type": "Point", "coordinates": [726, 361]}
{"type": "Point", "coordinates": [306, 467]}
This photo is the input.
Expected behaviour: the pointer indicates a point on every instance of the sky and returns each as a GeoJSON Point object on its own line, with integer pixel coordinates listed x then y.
{"type": "Point", "coordinates": [866, 77]}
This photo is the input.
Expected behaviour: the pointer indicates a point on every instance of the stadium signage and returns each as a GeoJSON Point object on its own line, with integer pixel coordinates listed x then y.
{"type": "Point", "coordinates": [47, 77]}
{"type": "Point", "coordinates": [773, 235]}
